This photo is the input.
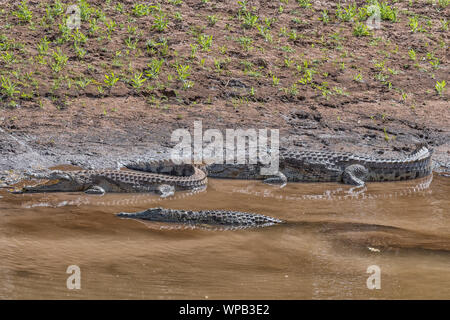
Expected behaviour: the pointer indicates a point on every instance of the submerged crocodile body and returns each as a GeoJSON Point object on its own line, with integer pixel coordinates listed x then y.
{"type": "Point", "coordinates": [222, 218]}
{"type": "Point", "coordinates": [164, 177]}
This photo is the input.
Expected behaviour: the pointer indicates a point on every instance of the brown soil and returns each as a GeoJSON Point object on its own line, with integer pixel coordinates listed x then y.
{"type": "Point", "coordinates": [391, 108]}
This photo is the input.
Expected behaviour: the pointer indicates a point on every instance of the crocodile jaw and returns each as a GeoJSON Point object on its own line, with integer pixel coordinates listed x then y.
{"type": "Point", "coordinates": [55, 186]}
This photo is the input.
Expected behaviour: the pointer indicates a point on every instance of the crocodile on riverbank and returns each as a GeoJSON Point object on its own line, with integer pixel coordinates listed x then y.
{"type": "Point", "coordinates": [164, 177]}
{"type": "Point", "coordinates": [328, 166]}
{"type": "Point", "coordinates": [224, 218]}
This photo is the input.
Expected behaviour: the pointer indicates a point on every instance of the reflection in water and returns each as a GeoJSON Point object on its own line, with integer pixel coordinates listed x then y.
{"type": "Point", "coordinates": [323, 250]}
{"type": "Point", "coordinates": [339, 193]}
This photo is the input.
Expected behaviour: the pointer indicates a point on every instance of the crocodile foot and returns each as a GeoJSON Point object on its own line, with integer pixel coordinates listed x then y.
{"type": "Point", "coordinates": [165, 190]}
{"type": "Point", "coordinates": [95, 190]}
{"type": "Point", "coordinates": [279, 179]}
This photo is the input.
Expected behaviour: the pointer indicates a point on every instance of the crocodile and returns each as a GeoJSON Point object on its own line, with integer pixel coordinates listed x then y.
{"type": "Point", "coordinates": [221, 218]}
{"type": "Point", "coordinates": [328, 166]}
{"type": "Point", "coordinates": [165, 177]}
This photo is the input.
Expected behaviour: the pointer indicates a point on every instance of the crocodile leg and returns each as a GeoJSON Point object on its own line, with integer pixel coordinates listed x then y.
{"type": "Point", "coordinates": [355, 174]}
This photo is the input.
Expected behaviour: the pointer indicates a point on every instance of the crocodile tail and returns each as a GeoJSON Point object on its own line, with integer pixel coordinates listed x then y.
{"type": "Point", "coordinates": [421, 152]}
{"type": "Point", "coordinates": [420, 160]}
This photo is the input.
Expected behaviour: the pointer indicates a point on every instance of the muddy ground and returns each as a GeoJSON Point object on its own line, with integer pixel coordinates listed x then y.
{"type": "Point", "coordinates": [72, 116]}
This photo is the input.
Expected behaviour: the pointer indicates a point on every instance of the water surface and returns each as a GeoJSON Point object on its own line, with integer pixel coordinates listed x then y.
{"type": "Point", "coordinates": [322, 252]}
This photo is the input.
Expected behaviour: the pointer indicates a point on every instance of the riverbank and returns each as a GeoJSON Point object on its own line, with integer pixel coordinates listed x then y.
{"type": "Point", "coordinates": [118, 86]}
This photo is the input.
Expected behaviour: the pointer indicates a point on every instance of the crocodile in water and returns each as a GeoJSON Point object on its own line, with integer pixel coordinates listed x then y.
{"type": "Point", "coordinates": [223, 218]}
{"type": "Point", "coordinates": [328, 166]}
{"type": "Point", "coordinates": [165, 179]}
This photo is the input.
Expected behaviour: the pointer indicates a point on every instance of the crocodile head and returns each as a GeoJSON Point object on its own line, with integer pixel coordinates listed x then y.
{"type": "Point", "coordinates": [56, 183]}
{"type": "Point", "coordinates": [152, 214]}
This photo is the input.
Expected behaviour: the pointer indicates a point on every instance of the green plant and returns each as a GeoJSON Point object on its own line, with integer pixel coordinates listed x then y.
{"type": "Point", "coordinates": [346, 13]}
{"type": "Point", "coordinates": [218, 65]}
{"type": "Point", "coordinates": [245, 42]}
{"type": "Point", "coordinates": [275, 80]}
{"type": "Point", "coordinates": [444, 3]}
{"type": "Point", "coordinates": [140, 10]}
{"type": "Point", "coordinates": [138, 80]}
{"type": "Point", "coordinates": [162, 47]}
{"type": "Point", "coordinates": [358, 77]}
{"type": "Point", "coordinates": [387, 12]}
{"type": "Point", "coordinates": [292, 90]}
{"type": "Point", "coordinates": [393, 71]}
{"type": "Point", "coordinates": [205, 41]}
{"type": "Point", "coordinates": [54, 10]}
{"type": "Point", "coordinates": [43, 46]}
{"type": "Point", "coordinates": [304, 3]}
{"type": "Point", "coordinates": [386, 136]}
{"type": "Point", "coordinates": [131, 29]}
{"type": "Point", "coordinates": [361, 30]}
{"type": "Point", "coordinates": [111, 79]}
{"type": "Point", "coordinates": [23, 13]}
{"type": "Point", "coordinates": [292, 35]}
{"type": "Point", "coordinates": [268, 22]}
{"type": "Point", "coordinates": [440, 87]}
{"type": "Point", "coordinates": [154, 68]}
{"type": "Point", "coordinates": [324, 89]}
{"type": "Point", "coordinates": [414, 24]}
{"type": "Point", "coordinates": [119, 7]}
{"type": "Point", "coordinates": [78, 37]}
{"type": "Point", "coordinates": [194, 49]}
{"type": "Point", "coordinates": [434, 61]}
{"type": "Point", "coordinates": [160, 23]}
{"type": "Point", "coordinates": [412, 54]}
{"type": "Point", "coordinates": [444, 24]}
{"type": "Point", "coordinates": [9, 88]}
{"type": "Point", "coordinates": [83, 82]}
{"type": "Point", "coordinates": [8, 57]}
{"type": "Point", "coordinates": [288, 62]}
{"type": "Point", "coordinates": [81, 52]}
{"type": "Point", "coordinates": [131, 43]}
{"type": "Point", "coordinates": [93, 26]}
{"type": "Point", "coordinates": [223, 49]}
{"type": "Point", "coordinates": [249, 20]}
{"type": "Point", "coordinates": [265, 32]}
{"type": "Point", "coordinates": [177, 15]}
{"type": "Point", "coordinates": [183, 72]}
{"type": "Point", "coordinates": [59, 60]}
{"type": "Point", "coordinates": [85, 10]}
{"type": "Point", "coordinates": [5, 43]}
{"type": "Point", "coordinates": [324, 17]}
{"type": "Point", "coordinates": [110, 25]}
{"type": "Point", "coordinates": [404, 96]}
{"type": "Point", "coordinates": [212, 20]}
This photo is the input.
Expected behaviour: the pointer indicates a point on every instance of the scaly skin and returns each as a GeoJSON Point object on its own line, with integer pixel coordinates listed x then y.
{"type": "Point", "coordinates": [183, 177]}
{"type": "Point", "coordinates": [223, 218]}
{"type": "Point", "coordinates": [328, 166]}
{"type": "Point", "coordinates": [164, 177]}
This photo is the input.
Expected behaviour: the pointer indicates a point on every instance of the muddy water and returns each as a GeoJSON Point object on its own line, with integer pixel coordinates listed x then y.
{"type": "Point", "coordinates": [323, 251]}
